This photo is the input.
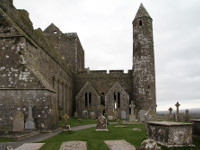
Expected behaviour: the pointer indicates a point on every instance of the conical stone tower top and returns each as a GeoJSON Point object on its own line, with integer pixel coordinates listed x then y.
{"type": "Point", "coordinates": [142, 12]}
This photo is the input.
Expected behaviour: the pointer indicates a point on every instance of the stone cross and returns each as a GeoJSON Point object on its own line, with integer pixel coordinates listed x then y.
{"type": "Point", "coordinates": [30, 124]}
{"type": "Point", "coordinates": [132, 106]}
{"type": "Point", "coordinates": [170, 110]}
{"type": "Point", "coordinates": [177, 107]}
{"type": "Point", "coordinates": [30, 112]}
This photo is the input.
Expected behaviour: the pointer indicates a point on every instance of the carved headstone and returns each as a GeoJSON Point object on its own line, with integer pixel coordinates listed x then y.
{"type": "Point", "coordinates": [123, 114]}
{"type": "Point", "coordinates": [30, 124]}
{"type": "Point", "coordinates": [18, 122]}
{"type": "Point", "coordinates": [101, 124]}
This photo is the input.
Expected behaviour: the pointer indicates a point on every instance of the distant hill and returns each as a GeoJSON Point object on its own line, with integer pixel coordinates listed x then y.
{"type": "Point", "coordinates": [191, 110]}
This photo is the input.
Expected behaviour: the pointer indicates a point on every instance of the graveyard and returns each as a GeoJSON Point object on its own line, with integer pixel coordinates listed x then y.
{"type": "Point", "coordinates": [49, 100]}
{"type": "Point", "coordinates": [95, 140]}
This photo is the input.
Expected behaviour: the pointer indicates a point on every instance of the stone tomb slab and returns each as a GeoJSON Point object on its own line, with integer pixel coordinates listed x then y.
{"type": "Point", "coordinates": [74, 145]}
{"type": "Point", "coordinates": [119, 145]}
{"type": "Point", "coordinates": [30, 146]}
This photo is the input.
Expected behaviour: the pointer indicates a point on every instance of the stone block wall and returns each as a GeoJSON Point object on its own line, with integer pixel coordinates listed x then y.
{"type": "Point", "coordinates": [102, 82]}
{"type": "Point", "coordinates": [44, 107]}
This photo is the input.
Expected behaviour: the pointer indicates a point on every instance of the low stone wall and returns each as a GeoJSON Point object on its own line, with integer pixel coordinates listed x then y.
{"type": "Point", "coordinates": [196, 127]}
{"type": "Point", "coordinates": [170, 134]}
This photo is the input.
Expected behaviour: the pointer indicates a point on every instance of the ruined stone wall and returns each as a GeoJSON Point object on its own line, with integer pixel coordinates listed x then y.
{"type": "Point", "coordinates": [102, 82]}
{"type": "Point", "coordinates": [27, 65]}
{"type": "Point", "coordinates": [68, 45]}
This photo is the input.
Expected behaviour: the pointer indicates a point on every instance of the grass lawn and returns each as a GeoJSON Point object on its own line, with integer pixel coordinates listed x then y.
{"type": "Point", "coordinates": [2, 140]}
{"type": "Point", "coordinates": [95, 139]}
{"type": "Point", "coordinates": [78, 122]}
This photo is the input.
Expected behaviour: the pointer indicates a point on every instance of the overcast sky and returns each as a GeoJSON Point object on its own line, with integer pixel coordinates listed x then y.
{"type": "Point", "coordinates": [105, 30]}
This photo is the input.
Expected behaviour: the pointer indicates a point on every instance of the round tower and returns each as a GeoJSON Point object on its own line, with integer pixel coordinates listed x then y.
{"type": "Point", "coordinates": [143, 61]}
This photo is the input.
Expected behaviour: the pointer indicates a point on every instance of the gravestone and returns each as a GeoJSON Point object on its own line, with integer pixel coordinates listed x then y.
{"type": "Point", "coordinates": [142, 115]}
{"type": "Point", "coordinates": [132, 115]}
{"type": "Point", "coordinates": [177, 116]}
{"type": "Point", "coordinates": [76, 115]}
{"type": "Point", "coordinates": [187, 115]}
{"type": "Point", "coordinates": [92, 115]}
{"type": "Point", "coordinates": [123, 114]}
{"type": "Point", "coordinates": [85, 114]}
{"type": "Point", "coordinates": [30, 124]}
{"type": "Point", "coordinates": [110, 114]}
{"type": "Point", "coordinates": [101, 124]}
{"type": "Point", "coordinates": [18, 122]}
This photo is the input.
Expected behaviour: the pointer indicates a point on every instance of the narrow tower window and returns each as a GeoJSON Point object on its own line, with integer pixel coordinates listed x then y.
{"type": "Point", "coordinates": [90, 100]}
{"type": "Point", "coordinates": [118, 100]}
{"type": "Point", "coordinates": [86, 100]}
{"type": "Point", "coordinates": [140, 23]}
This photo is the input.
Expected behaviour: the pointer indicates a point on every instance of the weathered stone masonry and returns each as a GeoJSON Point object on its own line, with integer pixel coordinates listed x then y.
{"type": "Point", "coordinates": [47, 67]}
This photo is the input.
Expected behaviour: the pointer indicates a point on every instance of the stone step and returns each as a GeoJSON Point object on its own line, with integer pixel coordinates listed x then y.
{"type": "Point", "coordinates": [74, 145]}
{"type": "Point", "coordinates": [27, 135]}
{"type": "Point", "coordinates": [119, 145]}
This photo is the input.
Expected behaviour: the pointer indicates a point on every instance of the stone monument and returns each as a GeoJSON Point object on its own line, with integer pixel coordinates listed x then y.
{"type": "Point", "coordinates": [142, 115]}
{"type": "Point", "coordinates": [101, 124]}
{"type": "Point", "coordinates": [132, 115]}
{"type": "Point", "coordinates": [76, 115]}
{"type": "Point", "coordinates": [177, 117]}
{"type": "Point", "coordinates": [92, 115]}
{"type": "Point", "coordinates": [85, 114]}
{"type": "Point", "coordinates": [66, 127]}
{"type": "Point", "coordinates": [170, 117]}
{"type": "Point", "coordinates": [123, 114]}
{"type": "Point", "coordinates": [187, 115]}
{"type": "Point", "coordinates": [18, 122]}
{"type": "Point", "coordinates": [30, 124]}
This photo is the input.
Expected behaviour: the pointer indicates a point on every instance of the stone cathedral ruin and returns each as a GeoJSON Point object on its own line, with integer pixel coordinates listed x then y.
{"type": "Point", "coordinates": [43, 76]}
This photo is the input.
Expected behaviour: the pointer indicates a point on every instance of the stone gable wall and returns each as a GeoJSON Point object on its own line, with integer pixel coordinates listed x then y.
{"type": "Point", "coordinates": [102, 81]}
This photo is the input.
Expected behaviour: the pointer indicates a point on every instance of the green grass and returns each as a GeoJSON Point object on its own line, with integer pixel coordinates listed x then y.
{"type": "Point", "coordinates": [95, 140]}
{"type": "Point", "coordinates": [79, 122]}
{"type": "Point", "coordinates": [2, 140]}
